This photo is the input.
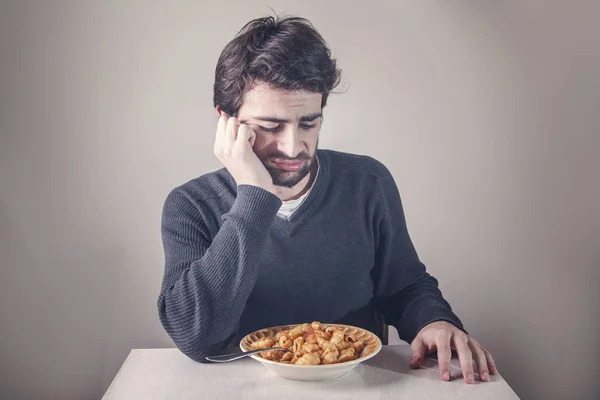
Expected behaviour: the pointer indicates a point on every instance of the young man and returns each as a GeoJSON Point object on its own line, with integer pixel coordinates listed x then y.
{"type": "Point", "coordinates": [286, 233]}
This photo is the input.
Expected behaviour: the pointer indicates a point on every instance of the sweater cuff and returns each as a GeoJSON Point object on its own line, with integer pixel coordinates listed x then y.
{"type": "Point", "coordinates": [255, 205]}
{"type": "Point", "coordinates": [429, 315]}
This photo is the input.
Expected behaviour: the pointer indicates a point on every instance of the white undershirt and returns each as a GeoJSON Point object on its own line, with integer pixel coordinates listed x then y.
{"type": "Point", "coordinates": [289, 207]}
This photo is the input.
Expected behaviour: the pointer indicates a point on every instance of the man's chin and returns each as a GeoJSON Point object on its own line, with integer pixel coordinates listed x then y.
{"type": "Point", "coordinates": [289, 179]}
{"type": "Point", "coordinates": [286, 179]}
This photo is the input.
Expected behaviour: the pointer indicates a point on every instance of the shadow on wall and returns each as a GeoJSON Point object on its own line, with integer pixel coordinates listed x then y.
{"type": "Point", "coordinates": [57, 324]}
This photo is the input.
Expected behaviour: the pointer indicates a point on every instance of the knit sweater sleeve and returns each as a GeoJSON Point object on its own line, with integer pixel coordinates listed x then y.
{"type": "Point", "coordinates": [207, 282]}
{"type": "Point", "coordinates": [406, 294]}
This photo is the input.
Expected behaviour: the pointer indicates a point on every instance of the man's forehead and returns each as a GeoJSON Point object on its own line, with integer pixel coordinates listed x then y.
{"type": "Point", "coordinates": [280, 104]}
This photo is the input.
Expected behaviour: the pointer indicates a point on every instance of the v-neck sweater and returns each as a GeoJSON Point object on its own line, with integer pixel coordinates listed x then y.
{"type": "Point", "coordinates": [232, 266]}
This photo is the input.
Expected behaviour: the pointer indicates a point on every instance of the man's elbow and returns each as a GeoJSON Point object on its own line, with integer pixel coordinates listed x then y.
{"type": "Point", "coordinates": [198, 352]}
{"type": "Point", "coordinates": [190, 335]}
{"type": "Point", "coordinates": [190, 343]}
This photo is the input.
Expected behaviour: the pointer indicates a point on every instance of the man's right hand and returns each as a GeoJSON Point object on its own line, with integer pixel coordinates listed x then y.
{"type": "Point", "coordinates": [233, 147]}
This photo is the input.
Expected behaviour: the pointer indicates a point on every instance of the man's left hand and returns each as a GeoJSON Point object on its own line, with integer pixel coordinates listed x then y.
{"type": "Point", "coordinates": [445, 337]}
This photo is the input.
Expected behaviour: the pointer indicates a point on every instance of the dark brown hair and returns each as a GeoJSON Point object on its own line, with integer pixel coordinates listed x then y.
{"type": "Point", "coordinates": [287, 53]}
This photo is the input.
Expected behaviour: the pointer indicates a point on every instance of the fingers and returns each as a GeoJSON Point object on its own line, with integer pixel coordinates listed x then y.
{"type": "Point", "coordinates": [418, 352]}
{"type": "Point", "coordinates": [252, 137]}
{"type": "Point", "coordinates": [231, 130]}
{"type": "Point", "coordinates": [490, 362]}
{"type": "Point", "coordinates": [228, 129]}
{"type": "Point", "coordinates": [245, 135]}
{"type": "Point", "coordinates": [237, 155]}
{"type": "Point", "coordinates": [465, 356]}
{"type": "Point", "coordinates": [445, 338]}
{"type": "Point", "coordinates": [444, 354]}
{"type": "Point", "coordinates": [220, 134]}
{"type": "Point", "coordinates": [480, 360]}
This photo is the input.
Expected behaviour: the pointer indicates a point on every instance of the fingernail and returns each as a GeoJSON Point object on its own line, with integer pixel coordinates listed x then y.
{"type": "Point", "coordinates": [470, 378]}
{"type": "Point", "coordinates": [485, 375]}
{"type": "Point", "coordinates": [446, 376]}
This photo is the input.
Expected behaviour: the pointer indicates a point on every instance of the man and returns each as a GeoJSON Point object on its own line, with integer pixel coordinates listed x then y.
{"type": "Point", "coordinates": [286, 233]}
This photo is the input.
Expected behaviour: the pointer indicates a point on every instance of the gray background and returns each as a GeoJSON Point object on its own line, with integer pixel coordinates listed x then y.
{"type": "Point", "coordinates": [486, 112]}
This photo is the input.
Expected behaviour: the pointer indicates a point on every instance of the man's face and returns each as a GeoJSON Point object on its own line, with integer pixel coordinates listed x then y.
{"type": "Point", "coordinates": [287, 125]}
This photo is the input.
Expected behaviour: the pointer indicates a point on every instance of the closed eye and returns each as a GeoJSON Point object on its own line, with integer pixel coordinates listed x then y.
{"type": "Point", "coordinates": [305, 127]}
{"type": "Point", "coordinates": [263, 128]}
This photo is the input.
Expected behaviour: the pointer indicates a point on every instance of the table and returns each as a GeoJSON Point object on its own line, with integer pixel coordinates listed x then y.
{"type": "Point", "coordinates": [152, 374]}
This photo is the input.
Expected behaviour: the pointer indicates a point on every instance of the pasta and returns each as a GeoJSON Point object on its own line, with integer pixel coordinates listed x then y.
{"type": "Point", "coordinates": [310, 344]}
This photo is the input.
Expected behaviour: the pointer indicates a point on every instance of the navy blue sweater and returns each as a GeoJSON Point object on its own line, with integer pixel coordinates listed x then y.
{"type": "Point", "coordinates": [233, 266]}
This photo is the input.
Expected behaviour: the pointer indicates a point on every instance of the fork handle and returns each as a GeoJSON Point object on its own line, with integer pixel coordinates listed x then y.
{"type": "Point", "coordinates": [237, 356]}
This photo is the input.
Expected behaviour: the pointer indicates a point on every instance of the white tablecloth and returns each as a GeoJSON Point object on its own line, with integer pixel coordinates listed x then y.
{"type": "Point", "coordinates": [151, 374]}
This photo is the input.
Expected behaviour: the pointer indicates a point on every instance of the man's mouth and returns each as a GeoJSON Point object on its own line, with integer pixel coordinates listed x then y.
{"type": "Point", "coordinates": [286, 165]}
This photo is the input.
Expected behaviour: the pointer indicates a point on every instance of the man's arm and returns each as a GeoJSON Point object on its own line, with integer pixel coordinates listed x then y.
{"type": "Point", "coordinates": [405, 293]}
{"type": "Point", "coordinates": [410, 298]}
{"type": "Point", "coordinates": [207, 283]}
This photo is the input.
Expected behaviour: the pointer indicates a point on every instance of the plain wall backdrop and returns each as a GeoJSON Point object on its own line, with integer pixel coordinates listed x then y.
{"type": "Point", "coordinates": [486, 113]}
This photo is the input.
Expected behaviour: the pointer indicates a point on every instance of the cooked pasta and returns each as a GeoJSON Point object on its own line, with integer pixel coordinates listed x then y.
{"type": "Point", "coordinates": [310, 344]}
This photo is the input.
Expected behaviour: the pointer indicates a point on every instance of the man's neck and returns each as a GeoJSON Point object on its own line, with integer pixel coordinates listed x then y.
{"type": "Point", "coordinates": [293, 193]}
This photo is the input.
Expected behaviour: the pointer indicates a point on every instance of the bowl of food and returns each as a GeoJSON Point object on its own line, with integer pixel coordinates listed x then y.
{"type": "Point", "coordinates": [314, 351]}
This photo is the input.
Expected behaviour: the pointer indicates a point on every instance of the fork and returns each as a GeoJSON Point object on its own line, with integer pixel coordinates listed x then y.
{"type": "Point", "coordinates": [236, 356]}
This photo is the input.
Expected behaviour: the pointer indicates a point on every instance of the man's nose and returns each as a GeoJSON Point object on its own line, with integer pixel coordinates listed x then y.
{"type": "Point", "coordinates": [289, 143]}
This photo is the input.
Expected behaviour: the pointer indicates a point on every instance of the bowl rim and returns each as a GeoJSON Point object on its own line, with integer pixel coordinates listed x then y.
{"type": "Point", "coordinates": [320, 366]}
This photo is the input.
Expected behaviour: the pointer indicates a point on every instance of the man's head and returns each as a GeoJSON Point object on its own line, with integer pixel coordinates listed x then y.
{"type": "Point", "coordinates": [275, 76]}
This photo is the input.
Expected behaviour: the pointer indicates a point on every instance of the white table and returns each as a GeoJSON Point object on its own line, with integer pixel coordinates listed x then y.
{"type": "Point", "coordinates": [151, 374]}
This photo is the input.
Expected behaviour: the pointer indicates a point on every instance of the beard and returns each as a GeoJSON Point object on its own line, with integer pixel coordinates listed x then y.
{"type": "Point", "coordinates": [289, 179]}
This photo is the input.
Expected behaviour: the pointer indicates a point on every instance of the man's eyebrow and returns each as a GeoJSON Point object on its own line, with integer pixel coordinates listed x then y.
{"type": "Point", "coordinates": [304, 118]}
{"type": "Point", "coordinates": [311, 117]}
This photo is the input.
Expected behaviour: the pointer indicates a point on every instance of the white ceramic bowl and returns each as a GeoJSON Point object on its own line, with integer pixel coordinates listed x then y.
{"type": "Point", "coordinates": [314, 372]}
